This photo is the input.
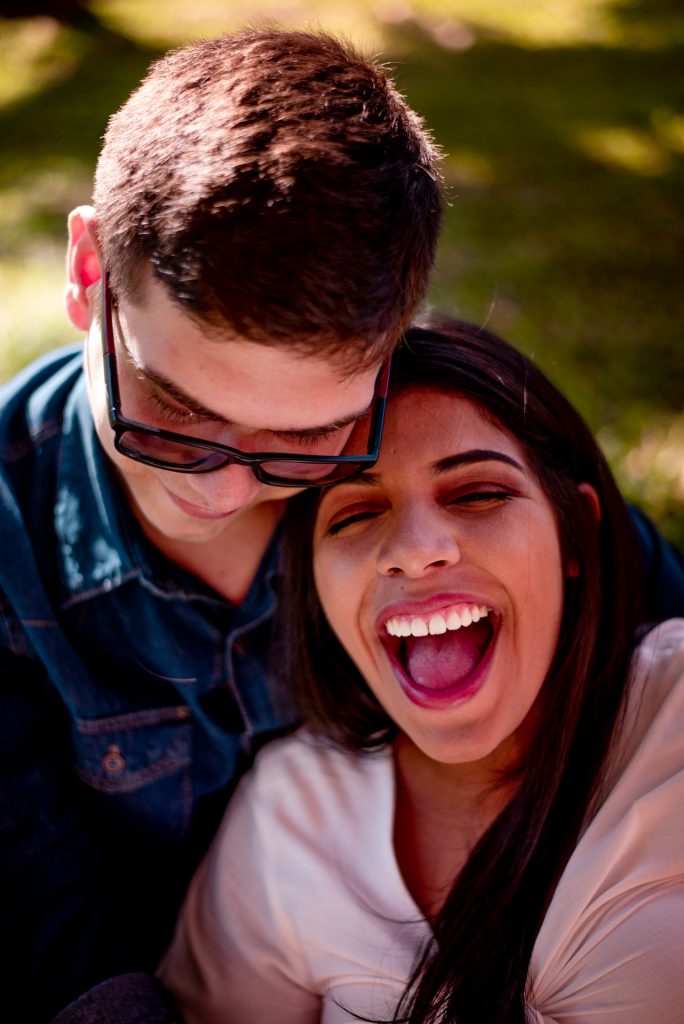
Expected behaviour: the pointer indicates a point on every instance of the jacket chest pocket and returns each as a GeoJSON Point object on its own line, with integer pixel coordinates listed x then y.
{"type": "Point", "coordinates": [138, 764]}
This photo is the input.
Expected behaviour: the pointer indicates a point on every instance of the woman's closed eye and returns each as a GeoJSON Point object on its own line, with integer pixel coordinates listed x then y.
{"type": "Point", "coordinates": [481, 498]}
{"type": "Point", "coordinates": [471, 499]}
{"type": "Point", "coordinates": [349, 517]}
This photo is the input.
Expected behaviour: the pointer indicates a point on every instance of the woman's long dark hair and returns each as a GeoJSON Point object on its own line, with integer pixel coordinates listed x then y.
{"type": "Point", "coordinates": [476, 970]}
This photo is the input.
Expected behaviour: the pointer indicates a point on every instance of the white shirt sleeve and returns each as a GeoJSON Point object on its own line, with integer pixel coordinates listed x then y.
{"type": "Point", "coordinates": [630, 967]}
{"type": "Point", "coordinates": [611, 947]}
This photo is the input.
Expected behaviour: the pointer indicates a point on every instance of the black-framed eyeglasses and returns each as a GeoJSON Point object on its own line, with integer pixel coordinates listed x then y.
{"type": "Point", "coordinates": [181, 453]}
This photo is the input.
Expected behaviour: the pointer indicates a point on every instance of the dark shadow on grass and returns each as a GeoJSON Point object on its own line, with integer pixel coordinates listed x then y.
{"type": "Point", "coordinates": [69, 12]}
{"type": "Point", "coordinates": [663, 20]}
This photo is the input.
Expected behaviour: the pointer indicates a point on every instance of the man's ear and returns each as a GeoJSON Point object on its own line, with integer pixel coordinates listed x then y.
{"type": "Point", "coordinates": [592, 499]}
{"type": "Point", "coordinates": [83, 265]}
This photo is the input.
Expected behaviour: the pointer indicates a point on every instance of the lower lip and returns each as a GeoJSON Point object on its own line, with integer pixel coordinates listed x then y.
{"type": "Point", "coordinates": [196, 511]}
{"type": "Point", "coordinates": [447, 696]}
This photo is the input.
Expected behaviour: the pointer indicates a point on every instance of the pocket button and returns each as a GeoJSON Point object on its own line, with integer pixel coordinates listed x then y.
{"type": "Point", "coordinates": [113, 761]}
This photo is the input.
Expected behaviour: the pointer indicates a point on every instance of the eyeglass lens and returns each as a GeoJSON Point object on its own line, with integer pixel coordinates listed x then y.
{"type": "Point", "coordinates": [189, 458]}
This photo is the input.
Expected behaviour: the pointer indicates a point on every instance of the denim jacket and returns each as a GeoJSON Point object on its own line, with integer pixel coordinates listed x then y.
{"type": "Point", "coordinates": [132, 699]}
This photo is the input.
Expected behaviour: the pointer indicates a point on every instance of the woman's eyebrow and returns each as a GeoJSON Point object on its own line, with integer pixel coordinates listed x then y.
{"type": "Point", "coordinates": [370, 478]}
{"type": "Point", "coordinates": [474, 455]}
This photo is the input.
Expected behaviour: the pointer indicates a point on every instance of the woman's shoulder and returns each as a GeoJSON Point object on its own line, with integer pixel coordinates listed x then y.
{"type": "Point", "coordinates": [647, 765]}
{"type": "Point", "coordinates": [659, 658]}
{"type": "Point", "coordinates": [303, 814]}
{"type": "Point", "coordinates": [304, 779]}
{"type": "Point", "coordinates": [622, 891]}
{"type": "Point", "coordinates": [293, 757]}
{"type": "Point", "coordinates": [656, 695]}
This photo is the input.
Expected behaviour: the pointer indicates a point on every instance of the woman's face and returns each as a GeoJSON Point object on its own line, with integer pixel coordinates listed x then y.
{"type": "Point", "coordinates": [440, 571]}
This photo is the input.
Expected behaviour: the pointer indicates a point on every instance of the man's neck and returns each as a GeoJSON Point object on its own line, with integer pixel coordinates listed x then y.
{"type": "Point", "coordinates": [229, 562]}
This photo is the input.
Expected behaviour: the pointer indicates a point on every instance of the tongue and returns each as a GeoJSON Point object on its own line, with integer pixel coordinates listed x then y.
{"type": "Point", "coordinates": [437, 662]}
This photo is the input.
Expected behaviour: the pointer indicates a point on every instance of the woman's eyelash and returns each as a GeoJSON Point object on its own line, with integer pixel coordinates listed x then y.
{"type": "Point", "coordinates": [355, 517]}
{"type": "Point", "coordinates": [481, 495]}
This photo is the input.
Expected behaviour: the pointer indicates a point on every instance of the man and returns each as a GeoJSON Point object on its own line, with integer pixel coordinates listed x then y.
{"type": "Point", "coordinates": [265, 217]}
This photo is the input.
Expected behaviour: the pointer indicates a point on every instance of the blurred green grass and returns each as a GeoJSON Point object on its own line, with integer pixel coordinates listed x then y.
{"type": "Point", "coordinates": [563, 130]}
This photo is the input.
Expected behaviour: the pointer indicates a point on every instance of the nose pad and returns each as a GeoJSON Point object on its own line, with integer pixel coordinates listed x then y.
{"type": "Point", "coordinates": [227, 488]}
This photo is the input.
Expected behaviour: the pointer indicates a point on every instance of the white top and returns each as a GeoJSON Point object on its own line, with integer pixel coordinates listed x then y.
{"type": "Point", "coordinates": [299, 913]}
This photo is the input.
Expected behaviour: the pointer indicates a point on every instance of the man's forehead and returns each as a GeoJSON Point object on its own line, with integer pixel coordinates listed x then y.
{"type": "Point", "coordinates": [178, 394]}
{"type": "Point", "coordinates": [238, 380]}
{"type": "Point", "coordinates": [346, 357]}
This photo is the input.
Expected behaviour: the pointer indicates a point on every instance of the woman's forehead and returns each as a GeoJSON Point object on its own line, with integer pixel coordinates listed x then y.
{"type": "Point", "coordinates": [421, 418]}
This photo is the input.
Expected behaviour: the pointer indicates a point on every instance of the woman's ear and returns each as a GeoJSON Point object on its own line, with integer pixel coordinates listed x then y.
{"type": "Point", "coordinates": [83, 265]}
{"type": "Point", "coordinates": [589, 492]}
{"type": "Point", "coordinates": [591, 497]}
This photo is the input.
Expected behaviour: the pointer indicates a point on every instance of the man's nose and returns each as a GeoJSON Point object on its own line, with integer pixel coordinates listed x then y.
{"type": "Point", "coordinates": [227, 488]}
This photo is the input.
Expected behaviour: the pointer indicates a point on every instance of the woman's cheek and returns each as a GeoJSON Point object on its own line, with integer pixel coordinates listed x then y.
{"type": "Point", "coordinates": [342, 574]}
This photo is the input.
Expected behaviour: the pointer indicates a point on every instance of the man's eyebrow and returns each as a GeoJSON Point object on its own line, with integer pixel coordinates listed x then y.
{"type": "Point", "coordinates": [179, 395]}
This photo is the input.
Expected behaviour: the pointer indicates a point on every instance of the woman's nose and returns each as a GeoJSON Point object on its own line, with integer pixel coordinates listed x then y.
{"type": "Point", "coordinates": [418, 543]}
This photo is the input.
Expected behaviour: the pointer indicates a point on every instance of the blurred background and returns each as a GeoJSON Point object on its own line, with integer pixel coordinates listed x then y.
{"type": "Point", "coordinates": [562, 123]}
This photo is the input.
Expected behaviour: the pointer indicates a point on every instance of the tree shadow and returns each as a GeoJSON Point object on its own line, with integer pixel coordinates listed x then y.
{"type": "Point", "coordinates": [70, 12]}
{"type": "Point", "coordinates": [662, 20]}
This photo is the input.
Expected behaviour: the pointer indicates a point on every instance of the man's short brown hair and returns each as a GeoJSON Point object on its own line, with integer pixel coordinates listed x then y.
{"type": "Point", "coordinates": [279, 186]}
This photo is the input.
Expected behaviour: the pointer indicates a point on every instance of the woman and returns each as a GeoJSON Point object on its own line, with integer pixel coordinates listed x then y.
{"type": "Point", "coordinates": [483, 821]}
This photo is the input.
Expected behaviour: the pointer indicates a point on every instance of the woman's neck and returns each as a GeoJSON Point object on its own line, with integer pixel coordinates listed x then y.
{"type": "Point", "coordinates": [440, 813]}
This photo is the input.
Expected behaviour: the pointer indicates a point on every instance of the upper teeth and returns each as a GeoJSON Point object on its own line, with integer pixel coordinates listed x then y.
{"type": "Point", "coordinates": [440, 622]}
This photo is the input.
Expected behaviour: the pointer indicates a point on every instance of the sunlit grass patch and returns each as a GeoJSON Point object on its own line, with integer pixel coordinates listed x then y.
{"type": "Point", "coordinates": [536, 23]}
{"type": "Point", "coordinates": [669, 129]}
{"type": "Point", "coordinates": [177, 21]}
{"type": "Point", "coordinates": [628, 149]}
{"type": "Point", "coordinates": [453, 24]}
{"type": "Point", "coordinates": [33, 208]}
{"type": "Point", "coordinates": [651, 469]}
{"type": "Point", "coordinates": [32, 317]}
{"type": "Point", "coordinates": [539, 24]}
{"type": "Point", "coordinates": [34, 53]}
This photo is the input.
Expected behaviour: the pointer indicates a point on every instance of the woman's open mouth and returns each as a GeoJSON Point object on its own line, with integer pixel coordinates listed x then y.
{"type": "Point", "coordinates": [442, 656]}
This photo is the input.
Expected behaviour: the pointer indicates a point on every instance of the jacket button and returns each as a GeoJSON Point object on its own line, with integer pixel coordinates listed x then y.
{"type": "Point", "coordinates": [113, 761]}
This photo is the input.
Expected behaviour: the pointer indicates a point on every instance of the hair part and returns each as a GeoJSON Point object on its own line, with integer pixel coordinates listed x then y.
{"type": "Point", "coordinates": [279, 186]}
{"type": "Point", "coordinates": [477, 967]}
